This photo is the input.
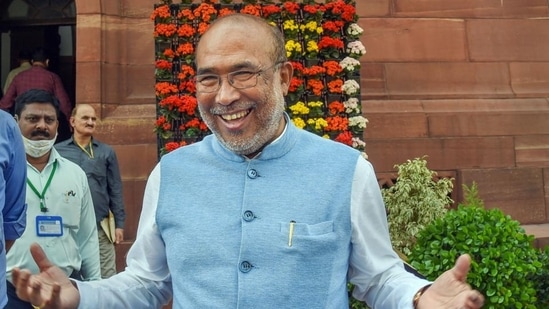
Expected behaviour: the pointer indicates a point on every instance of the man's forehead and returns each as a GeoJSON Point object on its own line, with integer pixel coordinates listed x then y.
{"type": "Point", "coordinates": [40, 108]}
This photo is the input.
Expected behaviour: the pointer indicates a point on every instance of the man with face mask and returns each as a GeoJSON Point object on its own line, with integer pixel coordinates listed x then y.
{"type": "Point", "coordinates": [60, 213]}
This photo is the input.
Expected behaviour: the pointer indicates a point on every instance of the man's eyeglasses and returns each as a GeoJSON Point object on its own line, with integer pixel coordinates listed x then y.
{"type": "Point", "coordinates": [243, 79]}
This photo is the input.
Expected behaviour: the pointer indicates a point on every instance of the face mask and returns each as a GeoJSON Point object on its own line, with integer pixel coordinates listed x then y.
{"type": "Point", "coordinates": [39, 148]}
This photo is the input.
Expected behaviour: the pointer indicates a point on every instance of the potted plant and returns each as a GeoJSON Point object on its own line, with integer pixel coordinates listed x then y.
{"type": "Point", "coordinates": [414, 201]}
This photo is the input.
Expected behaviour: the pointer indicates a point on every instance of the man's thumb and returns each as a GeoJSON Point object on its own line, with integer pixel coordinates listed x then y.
{"type": "Point", "coordinates": [40, 257]}
{"type": "Point", "coordinates": [461, 268]}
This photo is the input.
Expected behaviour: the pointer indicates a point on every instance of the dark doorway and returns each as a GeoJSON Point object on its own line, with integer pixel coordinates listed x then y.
{"type": "Point", "coordinates": [28, 24]}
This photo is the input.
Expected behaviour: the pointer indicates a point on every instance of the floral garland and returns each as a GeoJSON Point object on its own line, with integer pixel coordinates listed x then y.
{"type": "Point", "coordinates": [322, 43]}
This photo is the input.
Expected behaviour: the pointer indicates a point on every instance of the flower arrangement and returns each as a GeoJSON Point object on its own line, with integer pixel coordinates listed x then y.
{"type": "Point", "coordinates": [322, 43]}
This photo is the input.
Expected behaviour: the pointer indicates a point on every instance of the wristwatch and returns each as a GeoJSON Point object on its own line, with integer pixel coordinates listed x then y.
{"type": "Point", "coordinates": [418, 295]}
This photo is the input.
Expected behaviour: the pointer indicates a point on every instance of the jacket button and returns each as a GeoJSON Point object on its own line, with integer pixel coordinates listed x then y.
{"type": "Point", "coordinates": [245, 266]}
{"type": "Point", "coordinates": [248, 216]}
{"type": "Point", "coordinates": [252, 173]}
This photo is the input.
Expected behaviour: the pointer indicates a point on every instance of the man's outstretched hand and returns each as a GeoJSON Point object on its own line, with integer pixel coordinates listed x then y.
{"type": "Point", "coordinates": [450, 290]}
{"type": "Point", "coordinates": [50, 289]}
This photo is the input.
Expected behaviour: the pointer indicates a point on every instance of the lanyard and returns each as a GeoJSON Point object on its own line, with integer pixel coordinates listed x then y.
{"type": "Point", "coordinates": [90, 153]}
{"type": "Point", "coordinates": [43, 208]}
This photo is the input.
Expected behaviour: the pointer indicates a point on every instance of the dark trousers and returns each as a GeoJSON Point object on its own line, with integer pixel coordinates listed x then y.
{"type": "Point", "coordinates": [13, 301]}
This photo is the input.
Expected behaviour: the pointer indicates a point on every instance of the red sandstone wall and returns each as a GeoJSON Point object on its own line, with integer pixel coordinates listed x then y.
{"type": "Point", "coordinates": [466, 83]}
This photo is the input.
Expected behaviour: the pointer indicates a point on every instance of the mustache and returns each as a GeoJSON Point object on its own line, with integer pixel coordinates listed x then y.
{"type": "Point", "coordinates": [40, 133]}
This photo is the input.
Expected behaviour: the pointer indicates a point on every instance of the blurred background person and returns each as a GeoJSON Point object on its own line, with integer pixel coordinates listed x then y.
{"type": "Point", "coordinates": [24, 60]}
{"type": "Point", "coordinates": [39, 77]}
{"type": "Point", "coordinates": [100, 163]}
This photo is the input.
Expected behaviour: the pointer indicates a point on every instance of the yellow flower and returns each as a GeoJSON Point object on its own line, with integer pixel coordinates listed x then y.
{"type": "Point", "coordinates": [312, 47]}
{"type": "Point", "coordinates": [298, 122]}
{"type": "Point", "coordinates": [293, 48]}
{"type": "Point", "coordinates": [299, 108]}
{"type": "Point", "coordinates": [289, 25]}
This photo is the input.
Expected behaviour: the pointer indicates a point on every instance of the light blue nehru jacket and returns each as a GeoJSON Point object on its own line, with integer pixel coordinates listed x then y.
{"type": "Point", "coordinates": [225, 221]}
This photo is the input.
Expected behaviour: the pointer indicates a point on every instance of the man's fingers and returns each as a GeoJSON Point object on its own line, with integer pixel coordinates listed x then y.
{"type": "Point", "coordinates": [21, 280]}
{"type": "Point", "coordinates": [462, 266]}
{"type": "Point", "coordinates": [40, 257]}
{"type": "Point", "coordinates": [476, 298]}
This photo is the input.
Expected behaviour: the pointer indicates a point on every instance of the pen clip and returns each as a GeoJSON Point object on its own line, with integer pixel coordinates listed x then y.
{"type": "Point", "coordinates": [291, 233]}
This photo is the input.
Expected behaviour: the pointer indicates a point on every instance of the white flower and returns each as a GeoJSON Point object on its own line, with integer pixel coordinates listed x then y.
{"type": "Point", "coordinates": [350, 87]}
{"type": "Point", "coordinates": [358, 121]}
{"type": "Point", "coordinates": [354, 30]}
{"type": "Point", "coordinates": [349, 64]}
{"type": "Point", "coordinates": [356, 48]}
{"type": "Point", "coordinates": [352, 106]}
{"type": "Point", "coordinates": [358, 143]}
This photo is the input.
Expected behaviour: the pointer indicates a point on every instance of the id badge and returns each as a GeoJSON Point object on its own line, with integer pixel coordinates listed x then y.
{"type": "Point", "coordinates": [49, 226]}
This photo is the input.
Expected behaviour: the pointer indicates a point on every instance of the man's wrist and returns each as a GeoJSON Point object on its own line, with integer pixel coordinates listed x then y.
{"type": "Point", "coordinates": [418, 295]}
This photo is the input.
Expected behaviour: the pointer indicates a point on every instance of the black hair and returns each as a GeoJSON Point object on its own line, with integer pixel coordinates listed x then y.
{"type": "Point", "coordinates": [40, 55]}
{"type": "Point", "coordinates": [35, 96]}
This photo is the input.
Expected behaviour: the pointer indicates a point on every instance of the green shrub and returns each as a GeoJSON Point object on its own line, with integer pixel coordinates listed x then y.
{"type": "Point", "coordinates": [541, 280]}
{"type": "Point", "coordinates": [415, 200]}
{"type": "Point", "coordinates": [503, 258]}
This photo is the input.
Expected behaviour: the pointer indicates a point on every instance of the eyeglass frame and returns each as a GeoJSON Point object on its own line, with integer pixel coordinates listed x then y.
{"type": "Point", "coordinates": [230, 78]}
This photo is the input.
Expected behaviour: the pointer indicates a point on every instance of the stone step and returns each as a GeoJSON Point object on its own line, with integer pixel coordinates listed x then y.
{"type": "Point", "coordinates": [540, 231]}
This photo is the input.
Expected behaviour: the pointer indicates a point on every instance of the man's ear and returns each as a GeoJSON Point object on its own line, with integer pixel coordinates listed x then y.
{"type": "Point", "coordinates": [286, 74]}
{"type": "Point", "coordinates": [16, 117]}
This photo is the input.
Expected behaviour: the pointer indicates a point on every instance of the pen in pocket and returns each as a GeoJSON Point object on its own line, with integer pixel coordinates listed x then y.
{"type": "Point", "coordinates": [291, 233]}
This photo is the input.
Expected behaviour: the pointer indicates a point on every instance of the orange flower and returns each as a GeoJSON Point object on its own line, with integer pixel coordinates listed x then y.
{"type": "Point", "coordinates": [171, 146]}
{"type": "Point", "coordinates": [336, 107]}
{"type": "Point", "coordinates": [187, 72]}
{"type": "Point", "coordinates": [332, 67]}
{"type": "Point", "coordinates": [271, 9]}
{"type": "Point", "coordinates": [337, 123]}
{"type": "Point", "coordinates": [193, 123]}
{"type": "Point", "coordinates": [187, 86]}
{"type": "Point", "coordinates": [164, 30]}
{"type": "Point", "coordinates": [327, 42]}
{"type": "Point", "coordinates": [316, 86]}
{"type": "Point", "coordinates": [347, 12]}
{"type": "Point", "coordinates": [314, 70]}
{"type": "Point", "coordinates": [162, 12]}
{"type": "Point", "coordinates": [251, 9]}
{"type": "Point", "coordinates": [202, 27]}
{"type": "Point", "coordinates": [205, 12]}
{"type": "Point", "coordinates": [291, 7]}
{"type": "Point", "coordinates": [186, 31]}
{"type": "Point", "coordinates": [295, 84]}
{"type": "Point", "coordinates": [185, 49]}
{"type": "Point", "coordinates": [333, 25]}
{"type": "Point", "coordinates": [169, 53]}
{"type": "Point", "coordinates": [162, 64]}
{"type": "Point", "coordinates": [226, 11]}
{"type": "Point", "coordinates": [170, 102]}
{"type": "Point", "coordinates": [185, 15]}
{"type": "Point", "coordinates": [163, 89]}
{"type": "Point", "coordinates": [311, 8]}
{"type": "Point", "coordinates": [160, 121]}
{"type": "Point", "coordinates": [298, 66]}
{"type": "Point", "coordinates": [188, 105]}
{"type": "Point", "coordinates": [335, 86]}
{"type": "Point", "coordinates": [345, 138]}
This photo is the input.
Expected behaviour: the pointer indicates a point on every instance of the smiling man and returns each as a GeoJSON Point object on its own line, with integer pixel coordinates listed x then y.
{"type": "Point", "coordinates": [260, 214]}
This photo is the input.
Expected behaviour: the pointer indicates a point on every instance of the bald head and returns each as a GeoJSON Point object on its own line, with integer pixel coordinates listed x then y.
{"type": "Point", "coordinates": [247, 29]}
